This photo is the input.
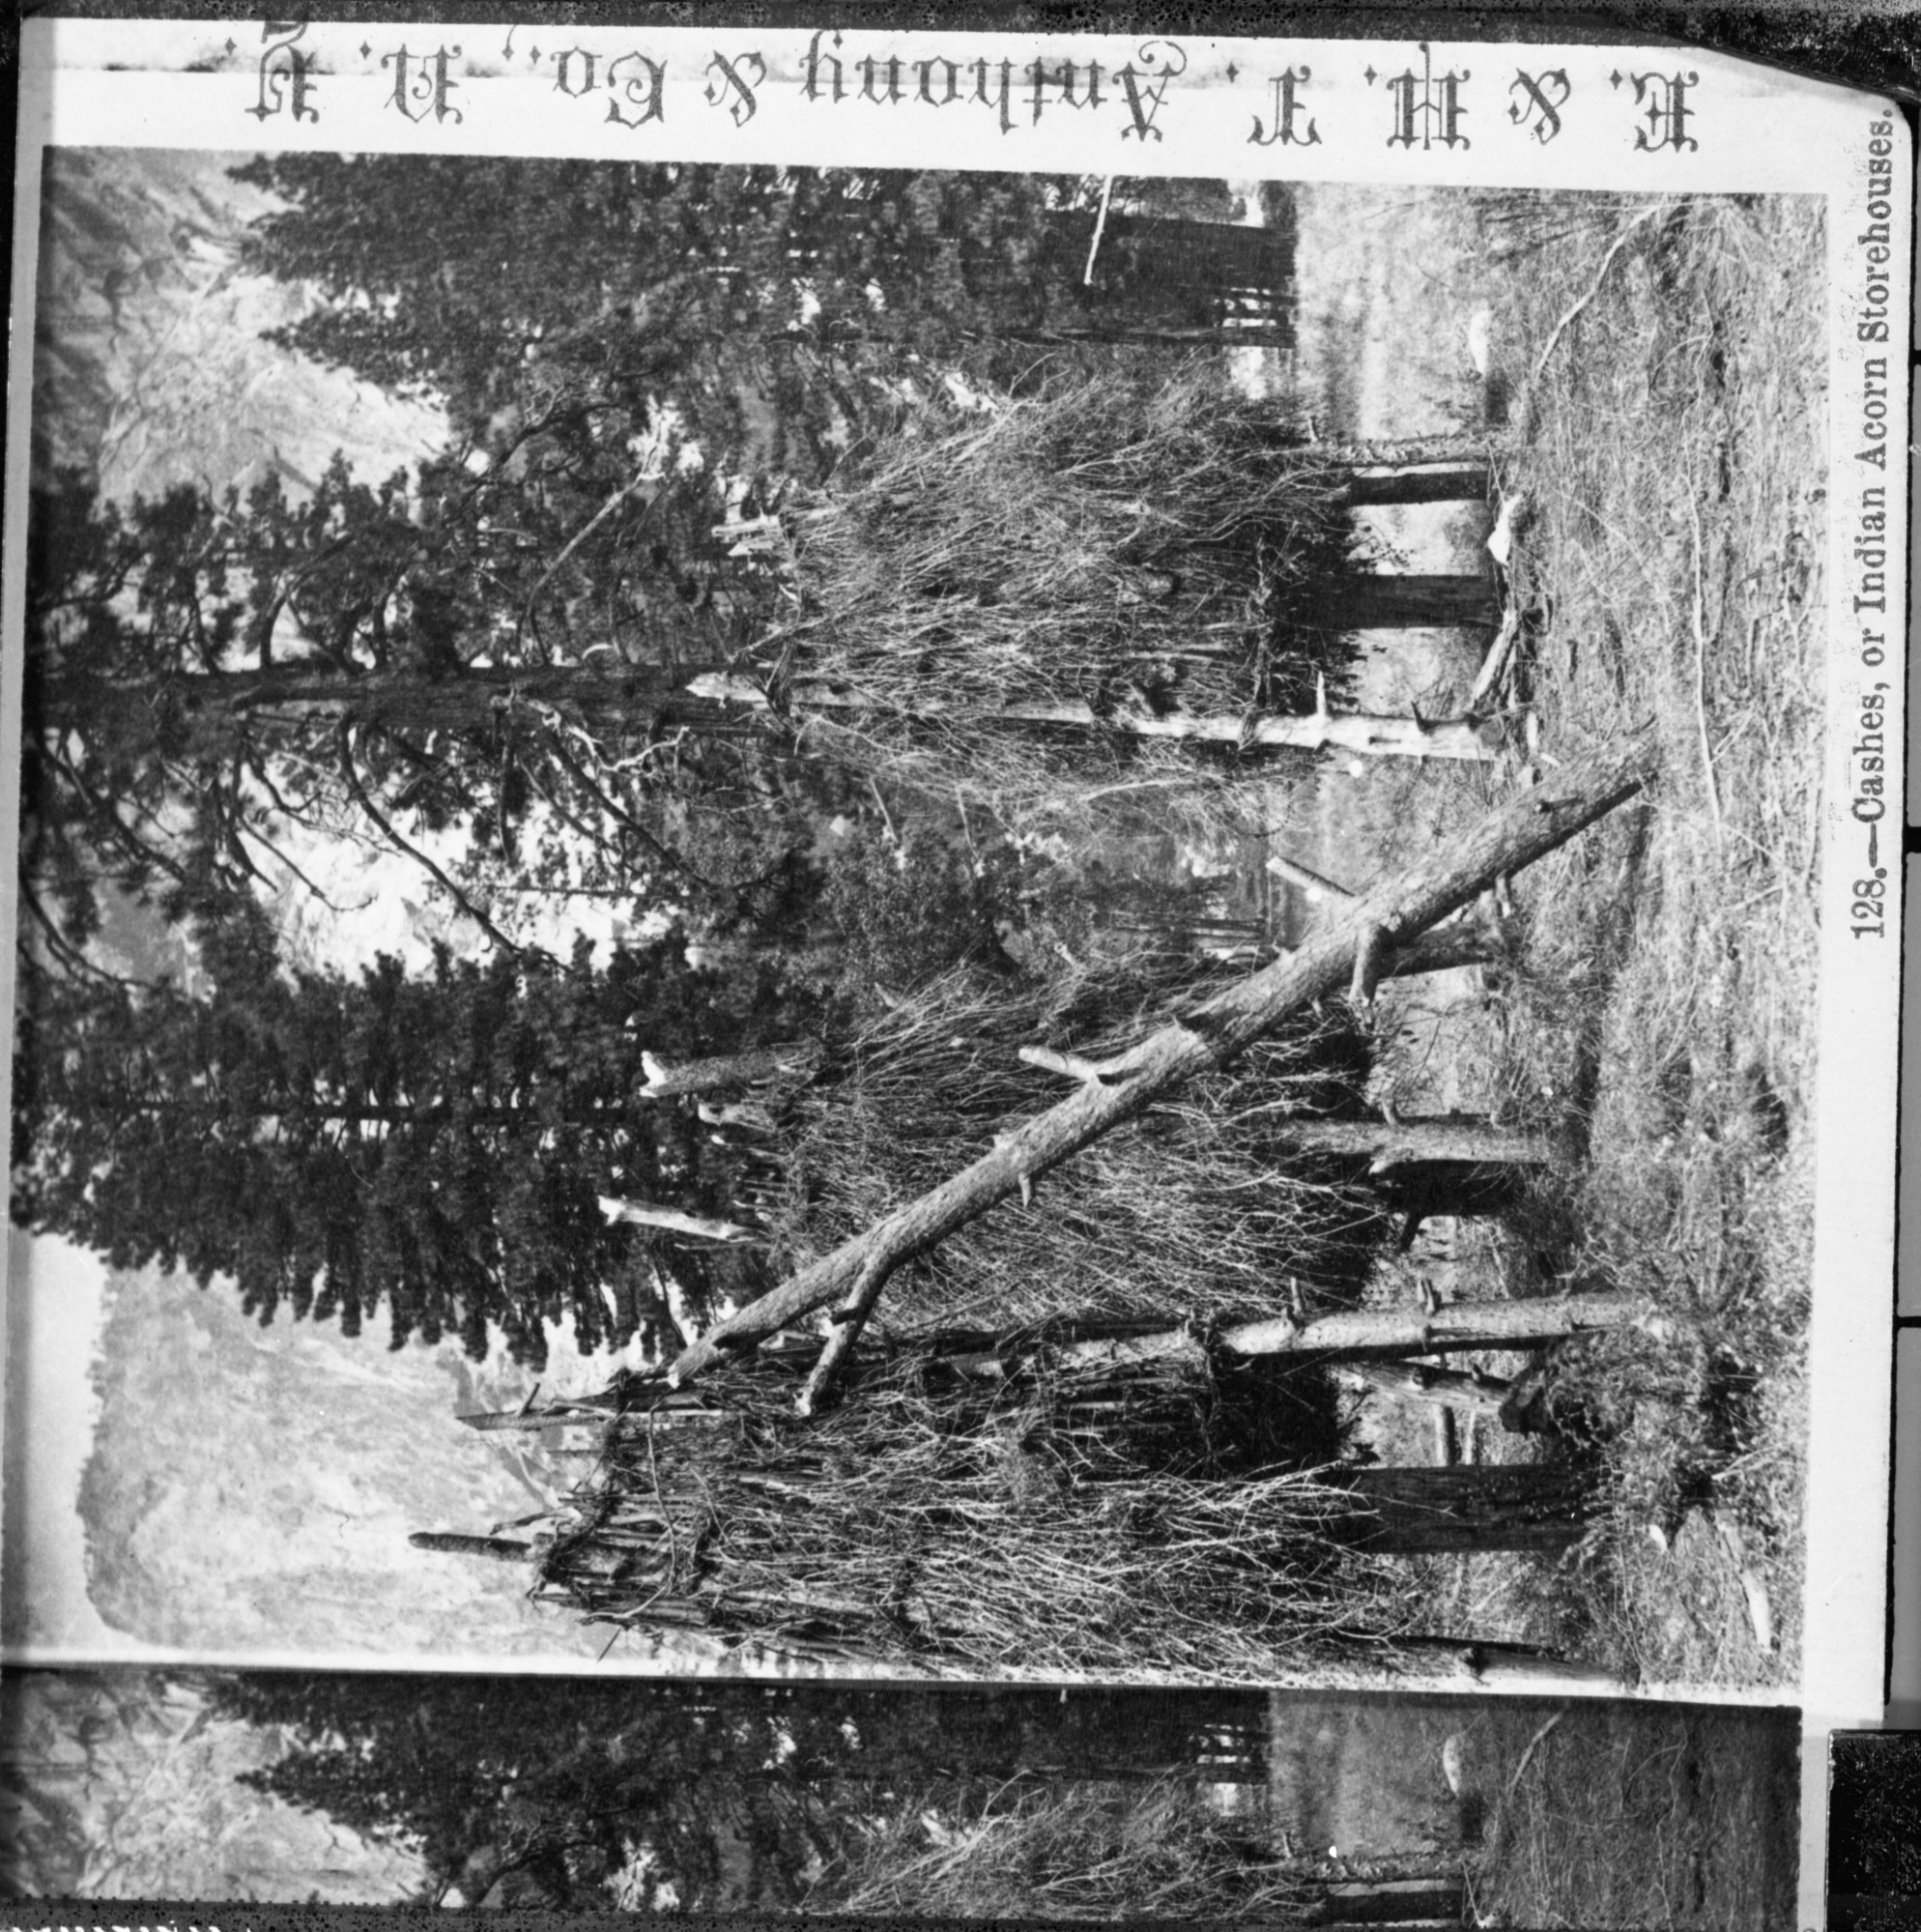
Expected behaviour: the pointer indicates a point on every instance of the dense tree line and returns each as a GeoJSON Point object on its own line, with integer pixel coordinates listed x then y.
{"type": "Point", "coordinates": [504, 665]}
{"type": "Point", "coordinates": [434, 1143]}
{"type": "Point", "coordinates": [743, 1794]}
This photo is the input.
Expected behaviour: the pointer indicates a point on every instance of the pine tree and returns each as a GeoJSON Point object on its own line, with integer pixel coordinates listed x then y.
{"type": "Point", "coordinates": [563, 1778]}
{"type": "Point", "coordinates": [763, 305]}
{"type": "Point", "coordinates": [210, 682]}
{"type": "Point", "coordinates": [435, 1143]}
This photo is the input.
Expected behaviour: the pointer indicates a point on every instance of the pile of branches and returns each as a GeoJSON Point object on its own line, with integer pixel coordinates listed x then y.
{"type": "Point", "coordinates": [1072, 1851]}
{"type": "Point", "coordinates": [980, 1514]}
{"type": "Point", "coordinates": [1188, 1214]}
{"type": "Point", "coordinates": [1119, 543]}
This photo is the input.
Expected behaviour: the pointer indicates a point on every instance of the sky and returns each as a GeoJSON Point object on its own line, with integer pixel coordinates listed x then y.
{"type": "Point", "coordinates": [54, 1310]}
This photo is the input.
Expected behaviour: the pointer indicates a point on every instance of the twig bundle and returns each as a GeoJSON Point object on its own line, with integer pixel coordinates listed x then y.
{"type": "Point", "coordinates": [1112, 542]}
{"type": "Point", "coordinates": [993, 1522]}
{"type": "Point", "coordinates": [1069, 1851]}
{"type": "Point", "coordinates": [1183, 1216]}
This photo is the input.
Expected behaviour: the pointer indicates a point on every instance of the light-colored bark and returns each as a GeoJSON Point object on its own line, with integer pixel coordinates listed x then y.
{"type": "Point", "coordinates": [671, 1220]}
{"type": "Point", "coordinates": [1207, 1036]}
{"type": "Point", "coordinates": [1471, 450]}
{"type": "Point", "coordinates": [1369, 735]}
{"type": "Point", "coordinates": [670, 1080]}
{"type": "Point", "coordinates": [1312, 884]}
{"type": "Point", "coordinates": [1467, 941]}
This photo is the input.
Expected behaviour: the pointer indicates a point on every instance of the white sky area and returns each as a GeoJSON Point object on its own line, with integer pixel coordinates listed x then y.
{"type": "Point", "coordinates": [291, 1518]}
{"type": "Point", "coordinates": [53, 1321]}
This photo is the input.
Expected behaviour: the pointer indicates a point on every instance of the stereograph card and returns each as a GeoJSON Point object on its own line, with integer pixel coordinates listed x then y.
{"type": "Point", "coordinates": [956, 971]}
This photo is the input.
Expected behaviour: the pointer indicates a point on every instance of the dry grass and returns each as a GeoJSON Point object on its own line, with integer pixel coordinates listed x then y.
{"type": "Point", "coordinates": [1036, 1522]}
{"type": "Point", "coordinates": [1110, 538]}
{"type": "Point", "coordinates": [1638, 1817]}
{"type": "Point", "coordinates": [1664, 1006]}
{"type": "Point", "coordinates": [1179, 1217]}
{"type": "Point", "coordinates": [1130, 543]}
{"type": "Point", "coordinates": [1068, 1852]}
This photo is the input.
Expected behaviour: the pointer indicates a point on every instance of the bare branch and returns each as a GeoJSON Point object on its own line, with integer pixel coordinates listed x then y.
{"type": "Point", "coordinates": [345, 741]}
{"type": "Point", "coordinates": [1206, 1036]}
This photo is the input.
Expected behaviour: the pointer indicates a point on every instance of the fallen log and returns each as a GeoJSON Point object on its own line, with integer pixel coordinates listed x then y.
{"type": "Point", "coordinates": [1206, 1036]}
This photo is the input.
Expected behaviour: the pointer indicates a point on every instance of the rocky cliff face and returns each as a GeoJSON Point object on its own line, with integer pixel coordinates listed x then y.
{"type": "Point", "coordinates": [149, 367]}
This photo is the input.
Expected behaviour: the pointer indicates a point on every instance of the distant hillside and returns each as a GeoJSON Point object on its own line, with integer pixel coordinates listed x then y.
{"type": "Point", "coordinates": [124, 1784]}
{"type": "Point", "coordinates": [251, 1489]}
{"type": "Point", "coordinates": [150, 370]}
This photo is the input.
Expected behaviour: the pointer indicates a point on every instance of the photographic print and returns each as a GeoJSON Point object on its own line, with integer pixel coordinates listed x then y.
{"type": "Point", "coordinates": [587, 1795]}
{"type": "Point", "coordinates": [1002, 1039]}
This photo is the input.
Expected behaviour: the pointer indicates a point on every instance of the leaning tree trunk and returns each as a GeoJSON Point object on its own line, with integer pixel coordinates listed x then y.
{"type": "Point", "coordinates": [1210, 1034]}
{"type": "Point", "coordinates": [1487, 1506]}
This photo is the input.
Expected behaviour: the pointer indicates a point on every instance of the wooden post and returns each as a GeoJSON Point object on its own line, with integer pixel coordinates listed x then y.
{"type": "Point", "coordinates": [1434, 1901]}
{"type": "Point", "coordinates": [498, 1422]}
{"type": "Point", "coordinates": [1367, 733]}
{"type": "Point", "coordinates": [1378, 485]}
{"type": "Point", "coordinates": [1207, 1036]}
{"type": "Point", "coordinates": [1416, 1382]}
{"type": "Point", "coordinates": [672, 1221]}
{"type": "Point", "coordinates": [795, 1060]}
{"type": "Point", "coordinates": [1491, 1505]}
{"type": "Point", "coordinates": [1453, 1664]}
{"type": "Point", "coordinates": [1402, 599]}
{"type": "Point", "coordinates": [493, 1549]}
{"type": "Point", "coordinates": [1363, 1334]}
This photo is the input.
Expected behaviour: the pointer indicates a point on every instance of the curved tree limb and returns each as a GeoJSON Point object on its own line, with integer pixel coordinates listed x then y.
{"type": "Point", "coordinates": [344, 740]}
{"type": "Point", "coordinates": [1204, 1037]}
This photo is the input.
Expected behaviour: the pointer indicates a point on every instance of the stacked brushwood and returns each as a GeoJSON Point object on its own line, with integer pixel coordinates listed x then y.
{"type": "Point", "coordinates": [1127, 544]}
{"type": "Point", "coordinates": [1189, 1214]}
{"type": "Point", "coordinates": [1072, 1850]}
{"type": "Point", "coordinates": [986, 1511]}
